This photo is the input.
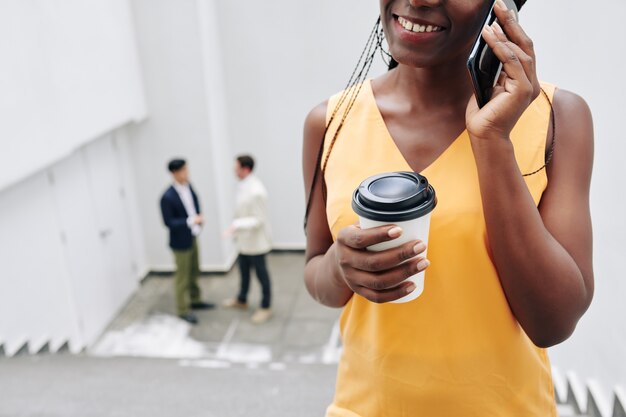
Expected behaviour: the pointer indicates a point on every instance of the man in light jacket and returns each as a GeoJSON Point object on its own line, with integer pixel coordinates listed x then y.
{"type": "Point", "coordinates": [251, 231]}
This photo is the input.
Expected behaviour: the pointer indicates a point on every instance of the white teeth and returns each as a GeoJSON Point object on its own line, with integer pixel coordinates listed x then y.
{"type": "Point", "coordinates": [416, 27]}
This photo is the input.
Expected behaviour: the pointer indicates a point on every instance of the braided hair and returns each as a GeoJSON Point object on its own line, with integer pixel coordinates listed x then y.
{"type": "Point", "coordinates": [349, 95]}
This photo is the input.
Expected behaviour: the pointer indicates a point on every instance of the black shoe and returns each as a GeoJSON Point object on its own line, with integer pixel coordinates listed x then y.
{"type": "Point", "coordinates": [189, 318]}
{"type": "Point", "coordinates": [201, 305]}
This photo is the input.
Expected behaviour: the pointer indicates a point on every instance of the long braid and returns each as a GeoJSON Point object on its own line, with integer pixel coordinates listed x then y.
{"type": "Point", "coordinates": [550, 152]}
{"type": "Point", "coordinates": [350, 93]}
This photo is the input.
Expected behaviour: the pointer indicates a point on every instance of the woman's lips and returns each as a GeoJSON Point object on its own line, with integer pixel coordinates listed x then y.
{"type": "Point", "coordinates": [412, 31]}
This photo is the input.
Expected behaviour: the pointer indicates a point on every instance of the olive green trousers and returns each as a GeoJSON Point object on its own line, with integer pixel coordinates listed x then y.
{"type": "Point", "coordinates": [186, 278]}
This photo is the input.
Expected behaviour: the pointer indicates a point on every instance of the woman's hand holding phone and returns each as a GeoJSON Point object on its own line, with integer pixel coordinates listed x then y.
{"type": "Point", "coordinates": [517, 86]}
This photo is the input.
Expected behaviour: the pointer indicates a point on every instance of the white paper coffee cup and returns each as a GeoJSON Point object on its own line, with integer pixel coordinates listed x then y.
{"type": "Point", "coordinates": [404, 199]}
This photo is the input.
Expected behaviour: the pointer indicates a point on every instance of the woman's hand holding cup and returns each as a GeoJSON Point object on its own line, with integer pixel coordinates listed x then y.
{"type": "Point", "coordinates": [382, 276]}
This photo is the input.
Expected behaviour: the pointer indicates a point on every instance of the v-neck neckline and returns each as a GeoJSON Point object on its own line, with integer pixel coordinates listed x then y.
{"type": "Point", "coordinates": [448, 150]}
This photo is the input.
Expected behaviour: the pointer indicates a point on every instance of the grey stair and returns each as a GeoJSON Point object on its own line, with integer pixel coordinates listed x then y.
{"type": "Point", "coordinates": [45, 349]}
{"type": "Point", "coordinates": [27, 349]}
{"type": "Point", "coordinates": [596, 403]}
{"type": "Point", "coordinates": [592, 408]}
{"type": "Point", "coordinates": [65, 348]}
{"type": "Point", "coordinates": [566, 410]}
{"type": "Point", "coordinates": [22, 350]}
{"type": "Point", "coordinates": [619, 403]}
{"type": "Point", "coordinates": [589, 400]}
{"type": "Point", "coordinates": [575, 395]}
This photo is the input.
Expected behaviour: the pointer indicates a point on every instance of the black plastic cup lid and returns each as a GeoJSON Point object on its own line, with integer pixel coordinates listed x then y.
{"type": "Point", "coordinates": [394, 197]}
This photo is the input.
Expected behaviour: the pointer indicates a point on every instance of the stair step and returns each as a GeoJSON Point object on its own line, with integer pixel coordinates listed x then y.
{"type": "Point", "coordinates": [597, 404]}
{"type": "Point", "coordinates": [43, 350]}
{"type": "Point", "coordinates": [576, 394]}
{"type": "Point", "coordinates": [64, 348]}
{"type": "Point", "coordinates": [566, 410]}
{"type": "Point", "coordinates": [41, 347]}
{"type": "Point", "coordinates": [560, 386]}
{"type": "Point", "coordinates": [619, 404]}
{"type": "Point", "coordinates": [22, 351]}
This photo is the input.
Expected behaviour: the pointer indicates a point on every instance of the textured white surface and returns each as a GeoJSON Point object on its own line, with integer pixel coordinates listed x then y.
{"type": "Point", "coordinates": [159, 336]}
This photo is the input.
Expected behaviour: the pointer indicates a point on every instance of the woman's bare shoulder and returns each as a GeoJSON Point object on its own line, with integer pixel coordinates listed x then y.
{"type": "Point", "coordinates": [573, 120]}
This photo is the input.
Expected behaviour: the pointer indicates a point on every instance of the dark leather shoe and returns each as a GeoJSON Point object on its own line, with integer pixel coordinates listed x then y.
{"type": "Point", "coordinates": [201, 305]}
{"type": "Point", "coordinates": [189, 318]}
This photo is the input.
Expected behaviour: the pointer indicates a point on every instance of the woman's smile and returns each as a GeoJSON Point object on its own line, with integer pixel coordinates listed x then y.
{"type": "Point", "coordinates": [416, 27]}
{"type": "Point", "coordinates": [413, 30]}
{"type": "Point", "coordinates": [431, 33]}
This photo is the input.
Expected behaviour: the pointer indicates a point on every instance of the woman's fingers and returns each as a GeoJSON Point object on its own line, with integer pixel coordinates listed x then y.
{"type": "Point", "coordinates": [527, 61]}
{"type": "Point", "coordinates": [357, 238]}
{"type": "Point", "coordinates": [382, 288]}
{"type": "Point", "coordinates": [508, 27]}
{"type": "Point", "coordinates": [506, 55]}
{"type": "Point", "coordinates": [521, 86]}
{"type": "Point", "coordinates": [514, 30]}
{"type": "Point", "coordinates": [379, 276]}
{"type": "Point", "coordinates": [387, 280]}
{"type": "Point", "coordinates": [382, 261]}
{"type": "Point", "coordinates": [387, 296]}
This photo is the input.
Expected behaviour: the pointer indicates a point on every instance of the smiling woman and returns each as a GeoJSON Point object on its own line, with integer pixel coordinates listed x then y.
{"type": "Point", "coordinates": [509, 268]}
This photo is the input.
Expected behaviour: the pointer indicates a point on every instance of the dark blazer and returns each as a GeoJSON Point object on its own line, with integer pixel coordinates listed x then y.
{"type": "Point", "coordinates": [175, 218]}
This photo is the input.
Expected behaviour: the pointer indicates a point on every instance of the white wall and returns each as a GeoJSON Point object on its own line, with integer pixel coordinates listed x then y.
{"type": "Point", "coordinates": [179, 51]}
{"type": "Point", "coordinates": [69, 254]}
{"type": "Point", "coordinates": [71, 248]}
{"type": "Point", "coordinates": [281, 59]}
{"type": "Point", "coordinates": [69, 74]}
{"type": "Point", "coordinates": [34, 279]}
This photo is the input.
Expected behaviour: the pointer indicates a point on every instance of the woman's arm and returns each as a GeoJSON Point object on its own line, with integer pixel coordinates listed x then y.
{"type": "Point", "coordinates": [335, 271]}
{"type": "Point", "coordinates": [322, 278]}
{"type": "Point", "coordinates": [543, 257]}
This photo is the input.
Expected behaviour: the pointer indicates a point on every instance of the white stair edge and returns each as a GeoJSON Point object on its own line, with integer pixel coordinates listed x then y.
{"type": "Point", "coordinates": [560, 385]}
{"type": "Point", "coordinates": [76, 346]}
{"type": "Point", "coordinates": [596, 394]}
{"type": "Point", "coordinates": [11, 348]}
{"type": "Point", "coordinates": [566, 410]}
{"type": "Point", "coordinates": [578, 391]}
{"type": "Point", "coordinates": [35, 346]}
{"type": "Point", "coordinates": [57, 343]}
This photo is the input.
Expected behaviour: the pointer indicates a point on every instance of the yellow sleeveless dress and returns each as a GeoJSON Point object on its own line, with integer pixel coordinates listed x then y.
{"type": "Point", "coordinates": [456, 351]}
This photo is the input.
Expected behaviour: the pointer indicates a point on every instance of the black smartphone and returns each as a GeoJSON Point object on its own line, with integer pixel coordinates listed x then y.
{"type": "Point", "coordinates": [484, 67]}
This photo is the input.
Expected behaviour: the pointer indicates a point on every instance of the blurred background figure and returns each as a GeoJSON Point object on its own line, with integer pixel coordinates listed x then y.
{"type": "Point", "coordinates": [252, 235]}
{"type": "Point", "coordinates": [181, 214]}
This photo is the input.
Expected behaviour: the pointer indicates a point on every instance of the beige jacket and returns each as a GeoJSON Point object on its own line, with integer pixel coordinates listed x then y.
{"type": "Point", "coordinates": [251, 224]}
